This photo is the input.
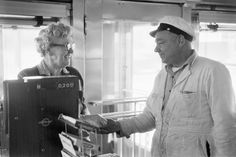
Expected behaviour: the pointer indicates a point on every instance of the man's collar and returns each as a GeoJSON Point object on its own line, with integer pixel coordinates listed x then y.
{"type": "Point", "coordinates": [43, 69]}
{"type": "Point", "coordinates": [190, 60]}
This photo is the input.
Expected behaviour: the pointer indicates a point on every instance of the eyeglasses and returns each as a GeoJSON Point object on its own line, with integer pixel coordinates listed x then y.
{"type": "Point", "coordinates": [69, 46]}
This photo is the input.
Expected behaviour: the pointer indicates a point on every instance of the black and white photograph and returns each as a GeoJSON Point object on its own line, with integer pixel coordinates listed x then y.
{"type": "Point", "coordinates": [117, 78]}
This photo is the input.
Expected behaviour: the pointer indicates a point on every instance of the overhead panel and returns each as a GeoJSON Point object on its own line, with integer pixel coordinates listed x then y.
{"type": "Point", "coordinates": [51, 1]}
{"type": "Point", "coordinates": [115, 10]}
{"type": "Point", "coordinates": [32, 13]}
{"type": "Point", "coordinates": [215, 2]}
{"type": "Point", "coordinates": [217, 17]}
{"type": "Point", "coordinates": [160, 1]}
{"type": "Point", "coordinates": [216, 11]}
{"type": "Point", "coordinates": [33, 9]}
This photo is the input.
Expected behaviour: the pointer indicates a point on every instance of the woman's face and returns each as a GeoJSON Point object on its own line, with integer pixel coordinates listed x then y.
{"type": "Point", "coordinates": [59, 53]}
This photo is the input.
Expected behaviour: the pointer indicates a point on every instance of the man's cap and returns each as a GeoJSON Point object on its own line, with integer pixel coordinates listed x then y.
{"type": "Point", "coordinates": [175, 25]}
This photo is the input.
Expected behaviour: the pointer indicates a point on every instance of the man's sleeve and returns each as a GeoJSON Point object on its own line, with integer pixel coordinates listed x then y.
{"type": "Point", "coordinates": [145, 121]}
{"type": "Point", "coordinates": [141, 123]}
{"type": "Point", "coordinates": [222, 103]}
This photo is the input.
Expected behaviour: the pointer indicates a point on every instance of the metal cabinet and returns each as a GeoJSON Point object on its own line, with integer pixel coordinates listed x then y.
{"type": "Point", "coordinates": [32, 108]}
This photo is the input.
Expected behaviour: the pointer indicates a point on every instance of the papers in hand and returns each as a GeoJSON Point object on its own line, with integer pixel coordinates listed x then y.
{"type": "Point", "coordinates": [67, 119]}
{"type": "Point", "coordinates": [78, 123]}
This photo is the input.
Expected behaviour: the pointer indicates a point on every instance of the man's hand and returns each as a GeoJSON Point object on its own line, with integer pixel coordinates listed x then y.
{"type": "Point", "coordinates": [111, 127]}
{"type": "Point", "coordinates": [94, 120]}
{"type": "Point", "coordinates": [105, 126]}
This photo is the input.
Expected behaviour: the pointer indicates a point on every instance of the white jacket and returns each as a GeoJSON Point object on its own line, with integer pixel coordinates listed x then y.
{"type": "Point", "coordinates": [199, 110]}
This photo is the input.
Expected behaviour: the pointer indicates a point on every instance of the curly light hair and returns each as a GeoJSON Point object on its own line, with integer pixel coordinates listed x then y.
{"type": "Point", "coordinates": [52, 31]}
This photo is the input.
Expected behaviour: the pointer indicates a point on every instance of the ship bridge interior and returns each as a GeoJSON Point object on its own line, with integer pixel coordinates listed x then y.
{"type": "Point", "coordinates": [113, 50]}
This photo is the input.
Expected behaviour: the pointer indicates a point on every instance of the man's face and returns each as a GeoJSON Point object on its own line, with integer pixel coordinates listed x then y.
{"type": "Point", "coordinates": [60, 53]}
{"type": "Point", "coordinates": [167, 47]}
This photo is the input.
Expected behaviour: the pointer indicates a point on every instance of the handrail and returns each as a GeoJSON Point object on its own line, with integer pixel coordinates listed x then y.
{"type": "Point", "coordinates": [123, 114]}
{"type": "Point", "coordinates": [117, 101]}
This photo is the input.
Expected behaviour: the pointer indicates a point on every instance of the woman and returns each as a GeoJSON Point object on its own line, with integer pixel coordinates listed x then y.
{"type": "Point", "coordinates": [54, 43]}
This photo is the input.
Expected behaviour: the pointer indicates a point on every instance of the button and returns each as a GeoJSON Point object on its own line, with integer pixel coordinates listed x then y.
{"type": "Point", "coordinates": [162, 152]}
{"type": "Point", "coordinates": [169, 90]}
{"type": "Point", "coordinates": [162, 149]}
{"type": "Point", "coordinates": [166, 122]}
{"type": "Point", "coordinates": [163, 132]}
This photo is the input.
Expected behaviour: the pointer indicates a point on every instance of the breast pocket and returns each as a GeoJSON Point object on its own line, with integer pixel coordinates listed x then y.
{"type": "Point", "coordinates": [190, 103]}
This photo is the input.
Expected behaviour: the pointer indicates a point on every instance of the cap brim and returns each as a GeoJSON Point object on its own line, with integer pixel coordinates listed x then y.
{"type": "Point", "coordinates": [153, 33]}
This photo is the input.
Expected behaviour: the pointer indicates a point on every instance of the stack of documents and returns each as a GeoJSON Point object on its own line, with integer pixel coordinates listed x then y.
{"type": "Point", "coordinates": [75, 146]}
{"type": "Point", "coordinates": [79, 145]}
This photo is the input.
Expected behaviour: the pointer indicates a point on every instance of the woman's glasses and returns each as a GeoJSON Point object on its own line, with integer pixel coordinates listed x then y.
{"type": "Point", "coordinates": [69, 46]}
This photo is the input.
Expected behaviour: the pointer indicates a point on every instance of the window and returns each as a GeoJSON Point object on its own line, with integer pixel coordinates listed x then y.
{"type": "Point", "coordinates": [146, 62]}
{"type": "Point", "coordinates": [129, 69]}
{"type": "Point", "coordinates": [220, 46]}
{"type": "Point", "coordinates": [130, 63]}
{"type": "Point", "coordinates": [18, 51]}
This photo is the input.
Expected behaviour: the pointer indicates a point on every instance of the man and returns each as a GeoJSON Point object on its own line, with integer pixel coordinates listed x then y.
{"type": "Point", "coordinates": [54, 43]}
{"type": "Point", "coordinates": [191, 104]}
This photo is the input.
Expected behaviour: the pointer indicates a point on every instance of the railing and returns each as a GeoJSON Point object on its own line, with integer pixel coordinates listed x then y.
{"type": "Point", "coordinates": [117, 102]}
{"type": "Point", "coordinates": [134, 146]}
